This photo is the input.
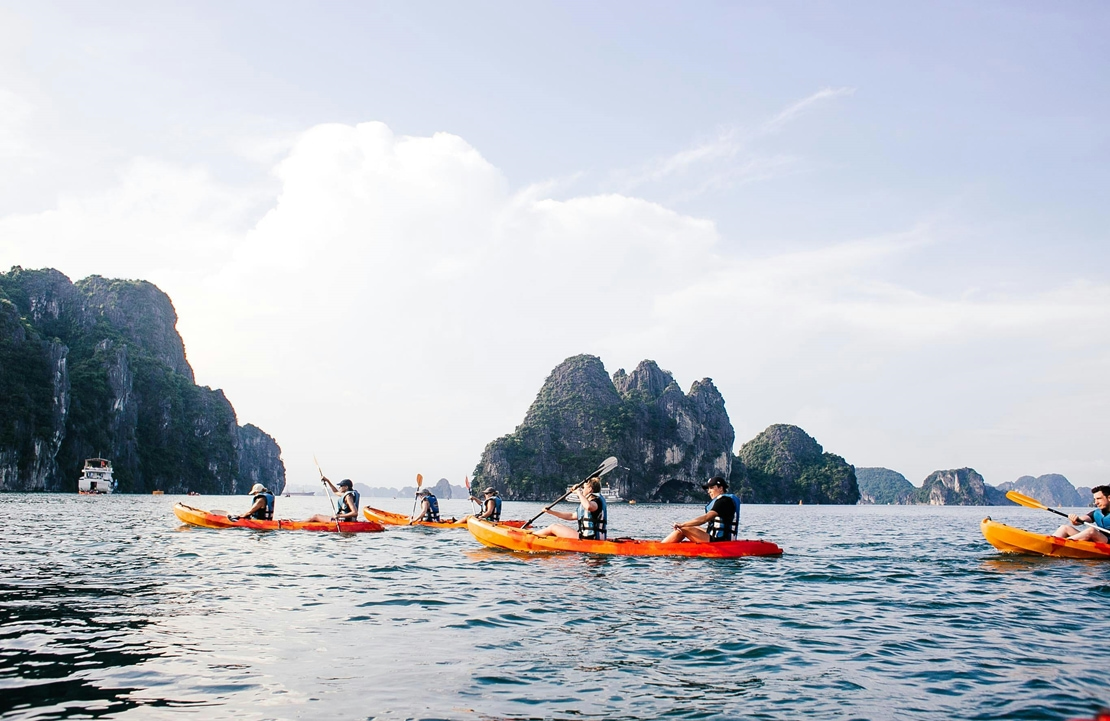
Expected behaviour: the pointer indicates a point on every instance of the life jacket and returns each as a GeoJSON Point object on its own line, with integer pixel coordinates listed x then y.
{"type": "Point", "coordinates": [267, 513]}
{"type": "Point", "coordinates": [1100, 519]}
{"type": "Point", "coordinates": [591, 526]}
{"type": "Point", "coordinates": [495, 515]}
{"type": "Point", "coordinates": [432, 514]}
{"type": "Point", "coordinates": [345, 503]}
{"type": "Point", "coordinates": [717, 529]}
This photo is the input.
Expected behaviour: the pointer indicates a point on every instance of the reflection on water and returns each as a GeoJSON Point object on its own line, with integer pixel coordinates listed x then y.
{"type": "Point", "coordinates": [109, 608]}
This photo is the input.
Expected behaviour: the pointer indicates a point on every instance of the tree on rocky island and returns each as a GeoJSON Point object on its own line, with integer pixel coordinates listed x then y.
{"type": "Point", "coordinates": [668, 442]}
{"type": "Point", "coordinates": [783, 464]}
{"type": "Point", "coordinates": [958, 487]}
{"type": "Point", "coordinates": [884, 486]}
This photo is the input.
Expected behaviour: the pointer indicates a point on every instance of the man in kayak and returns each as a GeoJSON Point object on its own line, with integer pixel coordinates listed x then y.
{"type": "Point", "coordinates": [263, 508]}
{"type": "Point", "coordinates": [428, 509]}
{"type": "Point", "coordinates": [346, 508]}
{"type": "Point", "coordinates": [1100, 517]}
{"type": "Point", "coordinates": [722, 513]}
{"type": "Point", "coordinates": [491, 506]}
{"type": "Point", "coordinates": [592, 515]}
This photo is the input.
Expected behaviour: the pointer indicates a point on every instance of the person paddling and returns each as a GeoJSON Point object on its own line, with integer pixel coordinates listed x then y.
{"type": "Point", "coordinates": [346, 508]}
{"type": "Point", "coordinates": [427, 511]}
{"type": "Point", "coordinates": [491, 506]}
{"type": "Point", "coordinates": [592, 515]}
{"type": "Point", "coordinates": [722, 513]}
{"type": "Point", "coordinates": [1100, 517]}
{"type": "Point", "coordinates": [263, 508]}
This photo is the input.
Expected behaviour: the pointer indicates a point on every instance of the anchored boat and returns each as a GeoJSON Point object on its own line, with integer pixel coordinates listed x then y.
{"type": "Point", "coordinates": [96, 477]}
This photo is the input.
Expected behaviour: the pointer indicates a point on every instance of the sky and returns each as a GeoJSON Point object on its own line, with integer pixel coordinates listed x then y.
{"type": "Point", "coordinates": [383, 224]}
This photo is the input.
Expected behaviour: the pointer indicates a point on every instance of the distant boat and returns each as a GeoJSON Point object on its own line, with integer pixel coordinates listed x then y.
{"type": "Point", "coordinates": [610, 494]}
{"type": "Point", "coordinates": [300, 493]}
{"type": "Point", "coordinates": [96, 478]}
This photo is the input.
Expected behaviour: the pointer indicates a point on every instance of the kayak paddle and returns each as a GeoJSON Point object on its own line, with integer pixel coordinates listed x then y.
{"type": "Point", "coordinates": [334, 508]}
{"type": "Point", "coordinates": [1023, 500]}
{"type": "Point", "coordinates": [469, 495]}
{"type": "Point", "coordinates": [419, 480]}
{"type": "Point", "coordinates": [607, 465]}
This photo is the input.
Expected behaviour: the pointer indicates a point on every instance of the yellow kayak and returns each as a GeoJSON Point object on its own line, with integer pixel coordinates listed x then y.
{"type": "Point", "coordinates": [388, 518]}
{"type": "Point", "coordinates": [1014, 540]}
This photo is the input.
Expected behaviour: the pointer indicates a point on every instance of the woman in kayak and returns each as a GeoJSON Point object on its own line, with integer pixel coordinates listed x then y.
{"type": "Point", "coordinates": [491, 507]}
{"type": "Point", "coordinates": [428, 510]}
{"type": "Point", "coordinates": [346, 509]}
{"type": "Point", "coordinates": [592, 515]}
{"type": "Point", "coordinates": [722, 513]}
{"type": "Point", "coordinates": [1100, 518]}
{"type": "Point", "coordinates": [263, 508]}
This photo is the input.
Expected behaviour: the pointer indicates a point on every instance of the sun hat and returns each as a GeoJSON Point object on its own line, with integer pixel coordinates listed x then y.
{"type": "Point", "coordinates": [258, 488]}
{"type": "Point", "coordinates": [491, 491]}
{"type": "Point", "coordinates": [347, 482]}
{"type": "Point", "coordinates": [424, 492]}
{"type": "Point", "coordinates": [716, 481]}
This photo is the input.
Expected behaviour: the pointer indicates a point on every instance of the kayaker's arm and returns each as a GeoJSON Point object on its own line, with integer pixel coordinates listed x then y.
{"type": "Point", "coordinates": [1075, 518]}
{"type": "Point", "coordinates": [699, 521]}
{"type": "Point", "coordinates": [565, 515]}
{"type": "Point", "coordinates": [259, 504]}
{"type": "Point", "coordinates": [329, 484]}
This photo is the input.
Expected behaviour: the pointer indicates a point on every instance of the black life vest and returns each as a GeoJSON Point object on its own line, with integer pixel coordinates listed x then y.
{"type": "Point", "coordinates": [432, 514]}
{"type": "Point", "coordinates": [592, 526]}
{"type": "Point", "coordinates": [717, 529]}
{"type": "Point", "coordinates": [266, 513]}
{"type": "Point", "coordinates": [347, 503]}
{"type": "Point", "coordinates": [493, 515]}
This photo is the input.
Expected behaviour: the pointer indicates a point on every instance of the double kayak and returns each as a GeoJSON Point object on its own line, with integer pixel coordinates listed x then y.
{"type": "Point", "coordinates": [1014, 540]}
{"type": "Point", "coordinates": [388, 518]}
{"type": "Point", "coordinates": [516, 539]}
{"type": "Point", "coordinates": [207, 519]}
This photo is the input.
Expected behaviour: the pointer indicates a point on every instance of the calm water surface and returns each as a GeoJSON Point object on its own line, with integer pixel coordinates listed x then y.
{"type": "Point", "coordinates": [109, 608]}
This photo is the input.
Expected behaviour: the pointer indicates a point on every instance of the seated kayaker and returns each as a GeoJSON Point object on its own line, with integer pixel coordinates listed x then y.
{"type": "Point", "coordinates": [346, 508]}
{"type": "Point", "coordinates": [722, 513]}
{"type": "Point", "coordinates": [1100, 517]}
{"type": "Point", "coordinates": [427, 510]}
{"type": "Point", "coordinates": [592, 515]}
{"type": "Point", "coordinates": [491, 506]}
{"type": "Point", "coordinates": [263, 508]}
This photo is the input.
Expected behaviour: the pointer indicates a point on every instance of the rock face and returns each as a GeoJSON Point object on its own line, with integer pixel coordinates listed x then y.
{"type": "Point", "coordinates": [1051, 489]}
{"type": "Point", "coordinates": [668, 442]}
{"type": "Point", "coordinates": [958, 487]}
{"type": "Point", "coordinates": [97, 368]}
{"type": "Point", "coordinates": [783, 464]}
{"type": "Point", "coordinates": [883, 486]}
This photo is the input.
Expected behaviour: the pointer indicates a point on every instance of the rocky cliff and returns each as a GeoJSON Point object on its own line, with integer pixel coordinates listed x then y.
{"type": "Point", "coordinates": [98, 368]}
{"type": "Point", "coordinates": [783, 464]}
{"type": "Point", "coordinates": [668, 442]}
{"type": "Point", "coordinates": [1051, 489]}
{"type": "Point", "coordinates": [958, 487]}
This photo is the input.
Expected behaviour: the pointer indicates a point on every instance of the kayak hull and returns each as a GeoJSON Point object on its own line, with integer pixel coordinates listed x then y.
{"type": "Point", "coordinates": [516, 539]}
{"type": "Point", "coordinates": [1014, 540]}
{"type": "Point", "coordinates": [388, 518]}
{"type": "Point", "coordinates": [204, 519]}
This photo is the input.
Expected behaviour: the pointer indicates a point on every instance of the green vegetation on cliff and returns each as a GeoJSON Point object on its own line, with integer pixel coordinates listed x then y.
{"type": "Point", "coordinates": [783, 464]}
{"type": "Point", "coordinates": [97, 368]}
{"type": "Point", "coordinates": [668, 442]}
{"type": "Point", "coordinates": [883, 486]}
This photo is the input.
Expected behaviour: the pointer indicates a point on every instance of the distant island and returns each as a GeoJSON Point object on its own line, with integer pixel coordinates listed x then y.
{"type": "Point", "coordinates": [965, 487]}
{"type": "Point", "coordinates": [97, 368]}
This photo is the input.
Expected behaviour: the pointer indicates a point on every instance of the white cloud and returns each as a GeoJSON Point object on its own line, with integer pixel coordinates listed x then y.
{"type": "Point", "coordinates": [398, 305]}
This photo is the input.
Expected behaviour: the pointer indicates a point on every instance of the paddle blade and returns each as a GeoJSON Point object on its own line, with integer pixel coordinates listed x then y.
{"type": "Point", "coordinates": [1023, 500]}
{"type": "Point", "coordinates": [466, 481]}
{"type": "Point", "coordinates": [419, 481]}
{"type": "Point", "coordinates": [607, 465]}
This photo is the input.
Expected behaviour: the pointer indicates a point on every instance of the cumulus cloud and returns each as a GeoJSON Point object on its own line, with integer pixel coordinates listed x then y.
{"type": "Point", "coordinates": [396, 304]}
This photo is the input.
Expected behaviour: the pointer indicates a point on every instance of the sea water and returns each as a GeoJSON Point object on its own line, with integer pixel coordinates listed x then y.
{"type": "Point", "coordinates": [109, 608]}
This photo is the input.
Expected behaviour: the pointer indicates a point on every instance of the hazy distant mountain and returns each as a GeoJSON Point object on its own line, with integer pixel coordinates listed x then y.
{"type": "Point", "coordinates": [1051, 489]}
{"type": "Point", "coordinates": [883, 486]}
{"type": "Point", "coordinates": [958, 487]}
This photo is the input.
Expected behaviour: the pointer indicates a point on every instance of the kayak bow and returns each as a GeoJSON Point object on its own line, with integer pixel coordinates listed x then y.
{"type": "Point", "coordinates": [1014, 540]}
{"type": "Point", "coordinates": [388, 518]}
{"type": "Point", "coordinates": [516, 539]}
{"type": "Point", "coordinates": [204, 519]}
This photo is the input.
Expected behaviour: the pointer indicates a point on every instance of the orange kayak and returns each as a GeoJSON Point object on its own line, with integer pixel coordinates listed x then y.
{"type": "Point", "coordinates": [516, 539]}
{"type": "Point", "coordinates": [1014, 540]}
{"type": "Point", "coordinates": [399, 519]}
{"type": "Point", "coordinates": [205, 519]}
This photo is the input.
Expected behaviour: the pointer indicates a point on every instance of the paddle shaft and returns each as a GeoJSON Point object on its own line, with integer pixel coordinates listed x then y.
{"type": "Point", "coordinates": [607, 465]}
{"type": "Point", "coordinates": [327, 489]}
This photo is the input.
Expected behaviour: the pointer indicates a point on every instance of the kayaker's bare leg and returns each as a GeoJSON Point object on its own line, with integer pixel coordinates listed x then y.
{"type": "Point", "coordinates": [320, 518]}
{"type": "Point", "coordinates": [1089, 534]}
{"type": "Point", "coordinates": [681, 533]}
{"type": "Point", "coordinates": [1065, 531]}
{"type": "Point", "coordinates": [558, 529]}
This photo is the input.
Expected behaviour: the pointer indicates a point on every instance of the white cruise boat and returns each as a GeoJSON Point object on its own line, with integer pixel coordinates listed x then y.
{"type": "Point", "coordinates": [610, 494]}
{"type": "Point", "coordinates": [96, 477]}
